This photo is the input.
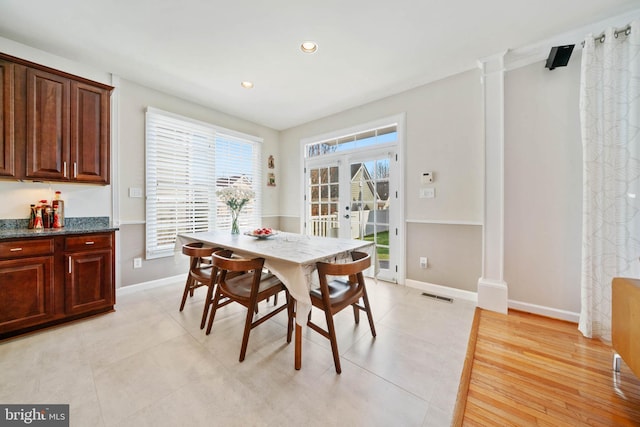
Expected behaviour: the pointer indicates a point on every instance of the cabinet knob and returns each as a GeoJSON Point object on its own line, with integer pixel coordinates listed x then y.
{"type": "Point", "coordinates": [15, 249]}
{"type": "Point", "coordinates": [89, 243]}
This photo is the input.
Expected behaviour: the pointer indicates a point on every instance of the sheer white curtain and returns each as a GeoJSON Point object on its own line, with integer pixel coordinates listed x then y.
{"type": "Point", "coordinates": [610, 120]}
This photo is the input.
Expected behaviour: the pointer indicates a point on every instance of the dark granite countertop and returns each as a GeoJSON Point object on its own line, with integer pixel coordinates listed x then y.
{"type": "Point", "coordinates": [18, 228]}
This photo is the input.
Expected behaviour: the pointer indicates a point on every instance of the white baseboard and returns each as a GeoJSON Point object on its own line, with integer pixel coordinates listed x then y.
{"type": "Point", "coordinates": [444, 291]}
{"type": "Point", "coordinates": [526, 307]}
{"type": "Point", "coordinates": [125, 290]}
{"type": "Point", "coordinates": [541, 310]}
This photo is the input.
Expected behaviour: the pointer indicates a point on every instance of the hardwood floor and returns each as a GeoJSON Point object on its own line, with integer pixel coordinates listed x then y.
{"type": "Point", "coordinates": [522, 370]}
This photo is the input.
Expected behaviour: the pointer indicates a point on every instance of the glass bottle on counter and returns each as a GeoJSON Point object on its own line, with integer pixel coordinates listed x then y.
{"type": "Point", "coordinates": [58, 211]}
{"type": "Point", "coordinates": [37, 222]}
{"type": "Point", "coordinates": [32, 216]}
{"type": "Point", "coordinates": [46, 213]}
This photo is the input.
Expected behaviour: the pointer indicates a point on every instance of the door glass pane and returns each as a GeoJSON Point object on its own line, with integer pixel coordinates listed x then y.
{"type": "Point", "coordinates": [370, 204]}
{"type": "Point", "coordinates": [313, 176]}
{"type": "Point", "coordinates": [335, 193]}
{"type": "Point", "coordinates": [323, 194]}
{"type": "Point", "coordinates": [333, 175]}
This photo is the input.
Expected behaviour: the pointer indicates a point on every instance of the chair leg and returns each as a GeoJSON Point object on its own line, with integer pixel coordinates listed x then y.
{"type": "Point", "coordinates": [275, 300]}
{"type": "Point", "coordinates": [187, 286]}
{"type": "Point", "coordinates": [247, 330]}
{"type": "Point", "coordinates": [214, 307]}
{"type": "Point", "coordinates": [356, 313]}
{"type": "Point", "coordinates": [334, 342]}
{"type": "Point", "coordinates": [207, 305]}
{"type": "Point", "coordinates": [367, 307]}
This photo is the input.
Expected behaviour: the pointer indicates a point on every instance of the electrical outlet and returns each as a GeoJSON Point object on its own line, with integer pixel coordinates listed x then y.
{"type": "Point", "coordinates": [137, 262]}
{"type": "Point", "coordinates": [135, 192]}
{"type": "Point", "coordinates": [423, 262]}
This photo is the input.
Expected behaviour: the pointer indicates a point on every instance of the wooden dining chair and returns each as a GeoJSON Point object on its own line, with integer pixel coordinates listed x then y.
{"type": "Point", "coordinates": [248, 290]}
{"type": "Point", "coordinates": [200, 274]}
{"type": "Point", "coordinates": [339, 293]}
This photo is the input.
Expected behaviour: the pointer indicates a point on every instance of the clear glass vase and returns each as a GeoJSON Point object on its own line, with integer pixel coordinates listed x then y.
{"type": "Point", "coordinates": [235, 228]}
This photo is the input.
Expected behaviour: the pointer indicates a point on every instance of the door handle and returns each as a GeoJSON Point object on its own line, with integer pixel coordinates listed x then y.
{"type": "Point", "coordinates": [347, 216]}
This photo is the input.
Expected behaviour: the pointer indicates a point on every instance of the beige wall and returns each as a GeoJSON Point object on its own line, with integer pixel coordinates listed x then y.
{"type": "Point", "coordinates": [543, 185]}
{"type": "Point", "coordinates": [444, 134]}
{"type": "Point", "coordinates": [454, 254]}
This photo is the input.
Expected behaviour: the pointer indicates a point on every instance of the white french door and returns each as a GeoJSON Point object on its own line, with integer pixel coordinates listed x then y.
{"type": "Point", "coordinates": [355, 196]}
{"type": "Point", "coordinates": [354, 189]}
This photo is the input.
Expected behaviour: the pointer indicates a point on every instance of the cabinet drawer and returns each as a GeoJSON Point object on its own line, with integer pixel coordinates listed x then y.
{"type": "Point", "coordinates": [87, 242]}
{"type": "Point", "coordinates": [21, 248]}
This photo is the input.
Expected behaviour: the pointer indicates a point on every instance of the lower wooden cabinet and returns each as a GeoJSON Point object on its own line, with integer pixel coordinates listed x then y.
{"type": "Point", "coordinates": [45, 281]}
{"type": "Point", "coordinates": [26, 292]}
{"type": "Point", "coordinates": [89, 279]}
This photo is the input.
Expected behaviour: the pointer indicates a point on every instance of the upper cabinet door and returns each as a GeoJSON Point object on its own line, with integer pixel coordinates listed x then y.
{"type": "Point", "coordinates": [7, 111]}
{"type": "Point", "coordinates": [47, 125]}
{"type": "Point", "coordinates": [89, 133]}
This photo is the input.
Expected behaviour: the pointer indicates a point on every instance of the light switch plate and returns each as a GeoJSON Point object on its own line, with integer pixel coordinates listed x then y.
{"type": "Point", "coordinates": [427, 193]}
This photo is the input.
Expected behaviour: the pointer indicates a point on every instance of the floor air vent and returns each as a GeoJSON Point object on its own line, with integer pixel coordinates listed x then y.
{"type": "Point", "coordinates": [438, 297]}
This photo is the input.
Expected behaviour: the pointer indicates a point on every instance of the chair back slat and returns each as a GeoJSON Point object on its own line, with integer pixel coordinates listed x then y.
{"type": "Point", "coordinates": [345, 269]}
{"type": "Point", "coordinates": [224, 261]}
{"type": "Point", "coordinates": [196, 250]}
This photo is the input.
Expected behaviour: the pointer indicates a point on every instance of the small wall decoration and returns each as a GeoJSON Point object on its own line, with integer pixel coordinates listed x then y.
{"type": "Point", "coordinates": [271, 179]}
{"type": "Point", "coordinates": [271, 163]}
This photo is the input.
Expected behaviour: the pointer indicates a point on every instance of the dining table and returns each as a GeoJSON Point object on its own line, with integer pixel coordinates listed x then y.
{"type": "Point", "coordinates": [292, 257]}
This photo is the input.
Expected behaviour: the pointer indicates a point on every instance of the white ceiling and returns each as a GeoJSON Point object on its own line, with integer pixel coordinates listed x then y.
{"type": "Point", "coordinates": [369, 49]}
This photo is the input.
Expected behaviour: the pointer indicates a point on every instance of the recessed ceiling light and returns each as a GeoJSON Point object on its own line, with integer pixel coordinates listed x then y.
{"type": "Point", "coordinates": [247, 85]}
{"type": "Point", "coordinates": [309, 47]}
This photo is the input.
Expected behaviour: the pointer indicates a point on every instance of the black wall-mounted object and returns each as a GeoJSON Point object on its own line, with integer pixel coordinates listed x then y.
{"type": "Point", "coordinates": [559, 56]}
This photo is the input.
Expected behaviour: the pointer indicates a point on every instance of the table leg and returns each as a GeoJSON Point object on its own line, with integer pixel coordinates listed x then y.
{"type": "Point", "coordinates": [298, 341]}
{"type": "Point", "coordinates": [298, 357]}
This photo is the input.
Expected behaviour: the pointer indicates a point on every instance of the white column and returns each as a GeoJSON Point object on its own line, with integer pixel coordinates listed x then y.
{"type": "Point", "coordinates": [492, 289]}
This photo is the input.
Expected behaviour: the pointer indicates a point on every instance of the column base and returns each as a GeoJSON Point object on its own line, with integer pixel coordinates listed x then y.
{"type": "Point", "coordinates": [493, 295]}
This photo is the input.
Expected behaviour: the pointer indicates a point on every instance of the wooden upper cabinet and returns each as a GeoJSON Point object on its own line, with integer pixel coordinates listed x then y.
{"type": "Point", "coordinates": [54, 126]}
{"type": "Point", "coordinates": [7, 136]}
{"type": "Point", "coordinates": [48, 147]}
{"type": "Point", "coordinates": [89, 133]}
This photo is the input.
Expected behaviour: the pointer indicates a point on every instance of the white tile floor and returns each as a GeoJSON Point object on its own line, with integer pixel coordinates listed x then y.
{"type": "Point", "coordinates": [147, 364]}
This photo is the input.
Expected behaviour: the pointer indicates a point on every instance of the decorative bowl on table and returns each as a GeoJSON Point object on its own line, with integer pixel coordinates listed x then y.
{"type": "Point", "coordinates": [262, 233]}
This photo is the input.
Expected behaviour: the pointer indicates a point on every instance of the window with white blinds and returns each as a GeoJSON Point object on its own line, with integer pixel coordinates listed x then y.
{"type": "Point", "coordinates": [187, 161]}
